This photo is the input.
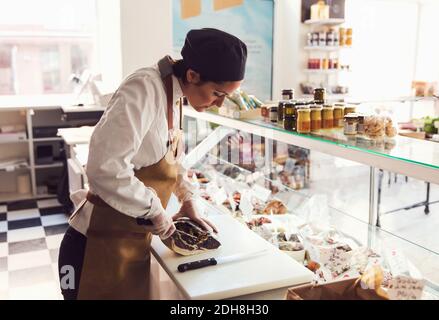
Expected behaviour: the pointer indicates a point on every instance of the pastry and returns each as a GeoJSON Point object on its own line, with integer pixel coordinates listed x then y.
{"type": "Point", "coordinates": [275, 207]}
{"type": "Point", "coordinates": [257, 222]}
{"type": "Point", "coordinates": [190, 238]}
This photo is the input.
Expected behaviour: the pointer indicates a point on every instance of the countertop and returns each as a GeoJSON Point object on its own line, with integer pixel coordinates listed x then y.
{"type": "Point", "coordinates": [261, 274]}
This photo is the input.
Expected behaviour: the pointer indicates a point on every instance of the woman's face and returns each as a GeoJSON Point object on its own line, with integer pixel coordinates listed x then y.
{"type": "Point", "coordinates": [204, 95]}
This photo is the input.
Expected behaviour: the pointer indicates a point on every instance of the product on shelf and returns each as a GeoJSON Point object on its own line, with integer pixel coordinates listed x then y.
{"type": "Point", "coordinates": [350, 124]}
{"type": "Point", "coordinates": [288, 94]}
{"type": "Point", "coordinates": [338, 115]}
{"type": "Point", "coordinates": [289, 116]}
{"type": "Point", "coordinates": [275, 207]}
{"type": "Point", "coordinates": [303, 120]}
{"type": "Point", "coordinates": [257, 222]}
{"type": "Point", "coordinates": [350, 109]}
{"type": "Point", "coordinates": [375, 126]}
{"type": "Point", "coordinates": [196, 175]}
{"type": "Point", "coordinates": [316, 117]}
{"type": "Point", "coordinates": [190, 238]}
{"type": "Point", "coordinates": [273, 114]}
{"type": "Point", "coordinates": [327, 117]}
{"type": "Point", "coordinates": [319, 95]}
{"type": "Point", "coordinates": [320, 11]}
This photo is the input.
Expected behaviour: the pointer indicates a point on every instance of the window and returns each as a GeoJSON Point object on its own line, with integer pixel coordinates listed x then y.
{"type": "Point", "coordinates": [48, 39]}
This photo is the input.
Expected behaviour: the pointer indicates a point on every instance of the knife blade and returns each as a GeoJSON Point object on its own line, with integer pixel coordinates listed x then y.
{"type": "Point", "coordinates": [220, 260]}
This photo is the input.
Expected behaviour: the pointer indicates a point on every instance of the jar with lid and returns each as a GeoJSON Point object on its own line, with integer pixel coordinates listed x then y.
{"type": "Point", "coordinates": [330, 38]}
{"type": "Point", "coordinates": [327, 117]}
{"type": "Point", "coordinates": [309, 39]}
{"type": "Point", "coordinates": [349, 109]}
{"type": "Point", "coordinates": [319, 95]}
{"type": "Point", "coordinates": [316, 117]}
{"type": "Point", "coordinates": [280, 112]}
{"type": "Point", "coordinates": [289, 116]}
{"type": "Point", "coordinates": [338, 115]}
{"type": "Point", "coordinates": [350, 124]}
{"type": "Point", "coordinates": [303, 119]}
{"type": "Point", "coordinates": [361, 127]}
{"type": "Point", "coordinates": [287, 94]}
{"type": "Point", "coordinates": [273, 114]}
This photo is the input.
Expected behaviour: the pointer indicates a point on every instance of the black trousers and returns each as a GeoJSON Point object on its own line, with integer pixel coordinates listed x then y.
{"type": "Point", "coordinates": [70, 260]}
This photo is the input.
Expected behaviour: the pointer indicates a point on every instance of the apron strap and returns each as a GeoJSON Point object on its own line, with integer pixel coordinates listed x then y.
{"type": "Point", "coordinates": [165, 69]}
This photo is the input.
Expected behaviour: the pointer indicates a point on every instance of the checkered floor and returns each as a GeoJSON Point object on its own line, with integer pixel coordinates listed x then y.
{"type": "Point", "coordinates": [30, 235]}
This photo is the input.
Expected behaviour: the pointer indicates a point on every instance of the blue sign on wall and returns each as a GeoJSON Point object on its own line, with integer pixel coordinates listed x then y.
{"type": "Point", "coordinates": [249, 20]}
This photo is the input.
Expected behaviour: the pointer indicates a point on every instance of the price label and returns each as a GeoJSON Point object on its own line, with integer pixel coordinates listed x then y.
{"type": "Point", "coordinates": [405, 288]}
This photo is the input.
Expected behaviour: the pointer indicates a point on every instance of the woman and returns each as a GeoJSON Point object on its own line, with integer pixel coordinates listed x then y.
{"type": "Point", "coordinates": [132, 168]}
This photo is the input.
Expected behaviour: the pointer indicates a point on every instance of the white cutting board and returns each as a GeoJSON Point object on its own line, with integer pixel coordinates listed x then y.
{"type": "Point", "coordinates": [271, 270]}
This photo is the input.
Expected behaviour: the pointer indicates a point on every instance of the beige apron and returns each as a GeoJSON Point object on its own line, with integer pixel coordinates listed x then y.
{"type": "Point", "coordinates": [117, 256]}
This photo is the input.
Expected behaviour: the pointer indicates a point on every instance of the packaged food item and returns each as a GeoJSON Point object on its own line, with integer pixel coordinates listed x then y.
{"type": "Point", "coordinates": [289, 116]}
{"type": "Point", "coordinates": [287, 94]}
{"type": "Point", "coordinates": [280, 113]}
{"type": "Point", "coordinates": [265, 113]}
{"type": "Point", "coordinates": [275, 207]}
{"type": "Point", "coordinates": [342, 36]}
{"type": "Point", "coordinates": [327, 117]}
{"type": "Point", "coordinates": [273, 114]}
{"type": "Point", "coordinates": [316, 117]}
{"type": "Point", "coordinates": [319, 96]}
{"type": "Point", "coordinates": [375, 126]}
{"type": "Point", "coordinates": [303, 119]}
{"type": "Point", "coordinates": [349, 109]}
{"type": "Point", "coordinates": [390, 130]}
{"type": "Point", "coordinates": [338, 115]}
{"type": "Point", "coordinates": [360, 127]}
{"type": "Point", "coordinates": [350, 124]}
{"type": "Point", "coordinates": [349, 37]}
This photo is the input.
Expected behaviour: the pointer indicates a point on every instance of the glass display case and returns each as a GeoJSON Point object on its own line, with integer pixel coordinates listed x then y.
{"type": "Point", "coordinates": [322, 198]}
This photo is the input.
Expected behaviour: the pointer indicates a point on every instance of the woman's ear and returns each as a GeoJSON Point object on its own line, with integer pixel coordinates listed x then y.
{"type": "Point", "coordinates": [192, 76]}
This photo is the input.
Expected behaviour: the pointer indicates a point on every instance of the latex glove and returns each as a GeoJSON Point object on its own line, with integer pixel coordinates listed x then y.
{"type": "Point", "coordinates": [189, 210]}
{"type": "Point", "coordinates": [162, 226]}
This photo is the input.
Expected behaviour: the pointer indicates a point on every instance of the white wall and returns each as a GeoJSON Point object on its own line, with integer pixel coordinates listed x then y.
{"type": "Point", "coordinates": [109, 55]}
{"type": "Point", "coordinates": [289, 35]}
{"type": "Point", "coordinates": [146, 29]}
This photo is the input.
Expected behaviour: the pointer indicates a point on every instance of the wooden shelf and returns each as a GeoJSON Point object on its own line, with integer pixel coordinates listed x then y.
{"type": "Point", "coordinates": [329, 49]}
{"type": "Point", "coordinates": [332, 21]}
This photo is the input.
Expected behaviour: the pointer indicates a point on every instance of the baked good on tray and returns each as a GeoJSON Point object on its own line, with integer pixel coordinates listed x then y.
{"type": "Point", "coordinates": [275, 207]}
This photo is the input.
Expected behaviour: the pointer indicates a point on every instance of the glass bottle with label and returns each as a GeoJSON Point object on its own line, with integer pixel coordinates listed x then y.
{"type": "Point", "coordinates": [316, 117]}
{"type": "Point", "coordinates": [303, 119]}
{"type": "Point", "coordinates": [327, 117]}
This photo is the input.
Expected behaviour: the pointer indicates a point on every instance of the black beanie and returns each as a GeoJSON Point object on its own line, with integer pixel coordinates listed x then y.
{"type": "Point", "coordinates": [215, 54]}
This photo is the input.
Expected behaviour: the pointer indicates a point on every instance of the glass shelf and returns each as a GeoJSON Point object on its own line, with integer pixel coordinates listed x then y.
{"type": "Point", "coordinates": [412, 157]}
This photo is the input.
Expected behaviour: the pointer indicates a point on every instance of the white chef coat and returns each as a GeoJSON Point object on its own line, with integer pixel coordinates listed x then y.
{"type": "Point", "coordinates": [131, 134]}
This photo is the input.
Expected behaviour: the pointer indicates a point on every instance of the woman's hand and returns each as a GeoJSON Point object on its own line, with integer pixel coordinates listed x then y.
{"type": "Point", "coordinates": [189, 210]}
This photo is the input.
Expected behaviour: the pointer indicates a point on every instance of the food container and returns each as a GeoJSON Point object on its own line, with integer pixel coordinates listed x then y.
{"type": "Point", "coordinates": [350, 109]}
{"type": "Point", "coordinates": [289, 116]}
{"type": "Point", "coordinates": [360, 127]}
{"type": "Point", "coordinates": [319, 95]}
{"type": "Point", "coordinates": [375, 126]}
{"type": "Point", "coordinates": [273, 114]}
{"type": "Point", "coordinates": [316, 117]}
{"type": "Point", "coordinates": [287, 94]}
{"type": "Point", "coordinates": [338, 115]}
{"type": "Point", "coordinates": [350, 124]}
{"type": "Point", "coordinates": [327, 117]}
{"type": "Point", "coordinates": [303, 120]}
{"type": "Point", "coordinates": [280, 113]}
{"type": "Point", "coordinates": [265, 113]}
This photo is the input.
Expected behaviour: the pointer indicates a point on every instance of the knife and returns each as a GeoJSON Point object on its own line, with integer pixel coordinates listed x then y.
{"type": "Point", "coordinates": [221, 260]}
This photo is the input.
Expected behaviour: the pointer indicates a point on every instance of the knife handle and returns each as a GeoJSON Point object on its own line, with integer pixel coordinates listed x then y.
{"type": "Point", "coordinates": [197, 264]}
